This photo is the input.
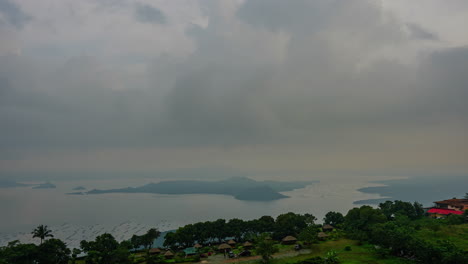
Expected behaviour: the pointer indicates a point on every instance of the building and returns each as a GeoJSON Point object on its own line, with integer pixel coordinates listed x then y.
{"type": "Point", "coordinates": [327, 228]}
{"type": "Point", "coordinates": [289, 240]}
{"type": "Point", "coordinates": [455, 204]}
{"type": "Point", "coordinates": [448, 207]}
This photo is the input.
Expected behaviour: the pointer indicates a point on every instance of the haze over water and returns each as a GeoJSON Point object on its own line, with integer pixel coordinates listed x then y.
{"type": "Point", "coordinates": [24, 208]}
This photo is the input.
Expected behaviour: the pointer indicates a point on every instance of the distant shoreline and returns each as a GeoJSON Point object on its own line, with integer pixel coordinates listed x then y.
{"type": "Point", "coordinates": [421, 189]}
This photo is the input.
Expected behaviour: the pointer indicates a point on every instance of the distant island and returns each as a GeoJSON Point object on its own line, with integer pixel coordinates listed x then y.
{"type": "Point", "coordinates": [11, 184]}
{"type": "Point", "coordinates": [46, 185]}
{"type": "Point", "coordinates": [79, 188]}
{"type": "Point", "coordinates": [422, 189]}
{"type": "Point", "coordinates": [241, 188]}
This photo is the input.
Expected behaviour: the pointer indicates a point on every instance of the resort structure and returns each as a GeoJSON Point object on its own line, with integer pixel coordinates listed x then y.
{"type": "Point", "coordinates": [448, 207]}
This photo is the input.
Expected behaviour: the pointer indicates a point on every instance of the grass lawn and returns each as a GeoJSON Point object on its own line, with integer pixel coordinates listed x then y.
{"type": "Point", "coordinates": [457, 234]}
{"type": "Point", "coordinates": [358, 254]}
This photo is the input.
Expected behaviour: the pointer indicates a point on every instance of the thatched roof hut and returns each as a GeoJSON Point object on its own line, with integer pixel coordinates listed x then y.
{"type": "Point", "coordinates": [327, 227]}
{"type": "Point", "coordinates": [224, 246]}
{"type": "Point", "coordinates": [289, 240]}
{"type": "Point", "coordinates": [322, 235]}
{"type": "Point", "coordinates": [155, 251]}
{"type": "Point", "coordinates": [168, 254]}
{"type": "Point", "coordinates": [231, 242]}
{"type": "Point", "coordinates": [247, 244]}
{"type": "Point", "coordinates": [197, 245]}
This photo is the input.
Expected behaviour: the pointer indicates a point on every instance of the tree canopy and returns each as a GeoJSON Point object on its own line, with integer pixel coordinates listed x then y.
{"type": "Point", "coordinates": [42, 232]}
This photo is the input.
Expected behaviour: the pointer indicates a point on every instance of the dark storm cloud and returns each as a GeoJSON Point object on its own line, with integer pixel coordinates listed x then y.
{"type": "Point", "coordinates": [147, 14]}
{"type": "Point", "coordinates": [240, 88]}
{"type": "Point", "coordinates": [13, 14]}
{"type": "Point", "coordinates": [74, 107]}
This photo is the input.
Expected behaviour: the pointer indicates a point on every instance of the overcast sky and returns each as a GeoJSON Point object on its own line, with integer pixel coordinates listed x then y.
{"type": "Point", "coordinates": [362, 86]}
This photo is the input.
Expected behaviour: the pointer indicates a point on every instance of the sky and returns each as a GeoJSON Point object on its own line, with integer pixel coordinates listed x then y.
{"type": "Point", "coordinates": [262, 86]}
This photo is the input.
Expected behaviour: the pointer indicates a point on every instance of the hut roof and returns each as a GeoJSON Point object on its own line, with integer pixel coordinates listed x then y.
{"type": "Point", "coordinates": [289, 238]}
{"type": "Point", "coordinates": [224, 246]}
{"type": "Point", "coordinates": [155, 250]}
{"type": "Point", "coordinates": [197, 245]}
{"type": "Point", "coordinates": [322, 234]}
{"type": "Point", "coordinates": [247, 244]}
{"type": "Point", "coordinates": [168, 253]}
{"type": "Point", "coordinates": [231, 242]}
{"type": "Point", "coordinates": [327, 226]}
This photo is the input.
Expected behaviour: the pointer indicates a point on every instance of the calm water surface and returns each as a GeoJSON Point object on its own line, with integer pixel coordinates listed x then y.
{"type": "Point", "coordinates": [77, 217]}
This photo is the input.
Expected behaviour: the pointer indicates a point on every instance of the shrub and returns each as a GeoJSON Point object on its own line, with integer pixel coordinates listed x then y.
{"type": "Point", "coordinates": [347, 248]}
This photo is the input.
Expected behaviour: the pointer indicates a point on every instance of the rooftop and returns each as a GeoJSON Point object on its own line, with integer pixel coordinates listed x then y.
{"type": "Point", "coordinates": [444, 211]}
{"type": "Point", "coordinates": [454, 202]}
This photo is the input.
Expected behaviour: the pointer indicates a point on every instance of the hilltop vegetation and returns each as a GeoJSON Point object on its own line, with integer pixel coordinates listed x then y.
{"type": "Point", "coordinates": [395, 233]}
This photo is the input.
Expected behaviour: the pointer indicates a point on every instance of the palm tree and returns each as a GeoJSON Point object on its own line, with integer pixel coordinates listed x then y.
{"type": "Point", "coordinates": [42, 232]}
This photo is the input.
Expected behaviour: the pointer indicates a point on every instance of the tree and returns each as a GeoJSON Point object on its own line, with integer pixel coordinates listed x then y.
{"type": "Point", "coordinates": [18, 253]}
{"type": "Point", "coordinates": [136, 241]}
{"type": "Point", "coordinates": [334, 218]}
{"type": "Point", "coordinates": [236, 228]}
{"type": "Point", "coordinates": [358, 221]}
{"type": "Point", "coordinates": [219, 228]}
{"type": "Point", "coordinates": [266, 224]}
{"type": "Point", "coordinates": [391, 209]}
{"type": "Point", "coordinates": [309, 234]}
{"type": "Point", "coordinates": [291, 224]}
{"type": "Point", "coordinates": [53, 251]}
{"type": "Point", "coordinates": [466, 196]}
{"type": "Point", "coordinates": [75, 253]}
{"type": "Point", "coordinates": [266, 248]}
{"type": "Point", "coordinates": [201, 233]}
{"type": "Point", "coordinates": [149, 237]}
{"type": "Point", "coordinates": [170, 240]}
{"type": "Point", "coordinates": [42, 232]}
{"type": "Point", "coordinates": [454, 219]}
{"type": "Point", "coordinates": [105, 249]}
{"type": "Point", "coordinates": [185, 235]}
{"type": "Point", "coordinates": [419, 209]}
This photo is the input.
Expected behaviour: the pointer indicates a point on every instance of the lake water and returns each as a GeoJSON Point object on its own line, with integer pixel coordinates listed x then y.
{"type": "Point", "coordinates": [73, 218]}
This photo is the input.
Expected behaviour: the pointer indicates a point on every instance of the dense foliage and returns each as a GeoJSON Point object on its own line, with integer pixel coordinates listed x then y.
{"type": "Point", "coordinates": [394, 228]}
{"type": "Point", "coordinates": [219, 230]}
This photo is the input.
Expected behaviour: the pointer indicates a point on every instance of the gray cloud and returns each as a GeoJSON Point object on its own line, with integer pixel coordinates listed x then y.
{"type": "Point", "coordinates": [418, 32]}
{"type": "Point", "coordinates": [13, 14]}
{"type": "Point", "coordinates": [147, 14]}
{"type": "Point", "coordinates": [281, 75]}
{"type": "Point", "coordinates": [284, 15]}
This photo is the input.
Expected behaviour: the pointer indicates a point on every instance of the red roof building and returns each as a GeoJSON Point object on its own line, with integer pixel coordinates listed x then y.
{"type": "Point", "coordinates": [455, 204]}
{"type": "Point", "coordinates": [444, 211]}
{"type": "Point", "coordinates": [448, 207]}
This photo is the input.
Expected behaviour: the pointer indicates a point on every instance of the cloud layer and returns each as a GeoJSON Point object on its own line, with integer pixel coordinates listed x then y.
{"type": "Point", "coordinates": [312, 85]}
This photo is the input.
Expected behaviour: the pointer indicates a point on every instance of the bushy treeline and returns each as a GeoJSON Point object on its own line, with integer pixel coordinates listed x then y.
{"type": "Point", "coordinates": [392, 227]}
{"type": "Point", "coordinates": [51, 251]}
{"type": "Point", "coordinates": [103, 250]}
{"type": "Point", "coordinates": [219, 230]}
